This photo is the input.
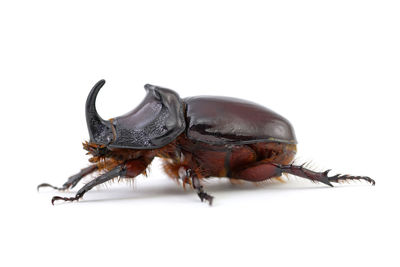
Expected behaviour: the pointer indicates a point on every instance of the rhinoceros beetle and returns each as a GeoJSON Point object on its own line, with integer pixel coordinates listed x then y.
{"type": "Point", "coordinates": [197, 137]}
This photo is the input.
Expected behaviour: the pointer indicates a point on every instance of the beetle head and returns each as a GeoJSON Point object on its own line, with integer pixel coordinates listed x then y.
{"type": "Point", "coordinates": [157, 121]}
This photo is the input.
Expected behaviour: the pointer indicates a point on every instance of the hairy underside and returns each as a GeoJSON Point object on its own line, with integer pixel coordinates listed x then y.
{"type": "Point", "coordinates": [203, 160]}
{"type": "Point", "coordinates": [189, 162]}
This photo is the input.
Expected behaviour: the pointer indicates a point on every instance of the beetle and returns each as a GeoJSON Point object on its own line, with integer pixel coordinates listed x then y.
{"type": "Point", "coordinates": [196, 137]}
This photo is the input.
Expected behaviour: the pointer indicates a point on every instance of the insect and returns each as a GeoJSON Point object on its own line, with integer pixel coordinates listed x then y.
{"type": "Point", "coordinates": [196, 137]}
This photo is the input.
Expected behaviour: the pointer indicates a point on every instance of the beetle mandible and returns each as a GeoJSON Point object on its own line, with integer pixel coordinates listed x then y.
{"type": "Point", "coordinates": [197, 137]}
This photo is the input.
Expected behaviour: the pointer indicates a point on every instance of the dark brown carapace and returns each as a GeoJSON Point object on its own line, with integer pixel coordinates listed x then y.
{"type": "Point", "coordinates": [196, 137]}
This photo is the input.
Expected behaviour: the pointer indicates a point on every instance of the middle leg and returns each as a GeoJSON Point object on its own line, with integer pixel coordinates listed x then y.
{"type": "Point", "coordinates": [188, 176]}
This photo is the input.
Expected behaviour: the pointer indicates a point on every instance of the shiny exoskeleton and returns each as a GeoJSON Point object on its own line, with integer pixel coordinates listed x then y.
{"type": "Point", "coordinates": [197, 137]}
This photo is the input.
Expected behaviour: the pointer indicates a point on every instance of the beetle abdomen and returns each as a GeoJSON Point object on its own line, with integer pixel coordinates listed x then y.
{"type": "Point", "coordinates": [223, 161]}
{"type": "Point", "coordinates": [225, 120]}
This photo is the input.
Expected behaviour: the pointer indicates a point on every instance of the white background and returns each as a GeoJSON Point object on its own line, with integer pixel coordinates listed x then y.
{"type": "Point", "coordinates": [330, 67]}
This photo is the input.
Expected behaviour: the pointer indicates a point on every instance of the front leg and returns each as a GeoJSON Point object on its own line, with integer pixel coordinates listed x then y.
{"type": "Point", "coordinates": [73, 180]}
{"type": "Point", "coordinates": [129, 169]}
{"type": "Point", "coordinates": [116, 172]}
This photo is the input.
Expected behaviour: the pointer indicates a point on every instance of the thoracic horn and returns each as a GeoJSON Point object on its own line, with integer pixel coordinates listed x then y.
{"type": "Point", "coordinates": [100, 131]}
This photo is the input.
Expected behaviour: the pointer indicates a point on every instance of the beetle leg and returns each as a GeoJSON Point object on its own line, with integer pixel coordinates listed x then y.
{"type": "Point", "coordinates": [73, 180]}
{"type": "Point", "coordinates": [261, 171]}
{"type": "Point", "coordinates": [321, 177]}
{"type": "Point", "coordinates": [117, 171]}
{"type": "Point", "coordinates": [200, 191]}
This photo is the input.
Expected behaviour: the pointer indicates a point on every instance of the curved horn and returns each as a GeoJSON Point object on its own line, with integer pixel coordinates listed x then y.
{"type": "Point", "coordinates": [99, 130]}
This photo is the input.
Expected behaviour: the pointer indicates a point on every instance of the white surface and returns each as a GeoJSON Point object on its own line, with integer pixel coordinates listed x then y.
{"type": "Point", "coordinates": [331, 68]}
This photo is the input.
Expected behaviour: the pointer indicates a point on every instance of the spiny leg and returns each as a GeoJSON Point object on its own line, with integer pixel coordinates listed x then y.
{"type": "Point", "coordinates": [117, 171]}
{"type": "Point", "coordinates": [261, 171]}
{"type": "Point", "coordinates": [73, 180]}
{"type": "Point", "coordinates": [321, 176]}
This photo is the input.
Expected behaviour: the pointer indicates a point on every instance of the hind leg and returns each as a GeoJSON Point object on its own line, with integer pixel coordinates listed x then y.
{"type": "Point", "coordinates": [262, 170]}
{"type": "Point", "coordinates": [321, 177]}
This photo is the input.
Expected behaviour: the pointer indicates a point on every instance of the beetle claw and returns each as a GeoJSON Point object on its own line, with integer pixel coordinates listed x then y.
{"type": "Point", "coordinates": [63, 198]}
{"type": "Point", "coordinates": [44, 185]}
{"type": "Point", "coordinates": [204, 196]}
{"type": "Point", "coordinates": [337, 178]}
{"type": "Point", "coordinates": [49, 185]}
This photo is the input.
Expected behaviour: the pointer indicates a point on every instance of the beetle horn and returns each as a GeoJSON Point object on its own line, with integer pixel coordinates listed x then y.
{"type": "Point", "coordinates": [100, 131]}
